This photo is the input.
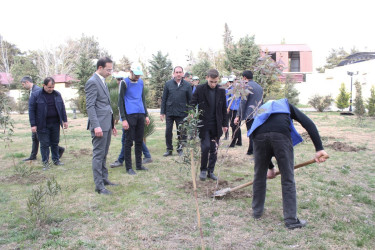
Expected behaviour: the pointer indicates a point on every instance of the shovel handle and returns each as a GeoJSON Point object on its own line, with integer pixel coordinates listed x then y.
{"type": "Point", "coordinates": [277, 173]}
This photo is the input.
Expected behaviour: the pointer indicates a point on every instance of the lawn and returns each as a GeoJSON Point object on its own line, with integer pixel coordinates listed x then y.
{"type": "Point", "coordinates": [156, 209]}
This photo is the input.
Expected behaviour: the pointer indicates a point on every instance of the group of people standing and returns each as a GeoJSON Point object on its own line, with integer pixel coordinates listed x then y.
{"type": "Point", "coordinates": [271, 132]}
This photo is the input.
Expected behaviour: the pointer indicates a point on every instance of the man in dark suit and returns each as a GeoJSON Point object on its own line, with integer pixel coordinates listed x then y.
{"type": "Point", "coordinates": [253, 100]}
{"type": "Point", "coordinates": [100, 123]}
{"type": "Point", "coordinates": [211, 100]}
{"type": "Point", "coordinates": [176, 96]}
{"type": "Point", "coordinates": [27, 83]}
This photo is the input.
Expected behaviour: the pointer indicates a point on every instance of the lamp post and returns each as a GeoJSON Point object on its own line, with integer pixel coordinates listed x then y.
{"type": "Point", "coordinates": [351, 88]}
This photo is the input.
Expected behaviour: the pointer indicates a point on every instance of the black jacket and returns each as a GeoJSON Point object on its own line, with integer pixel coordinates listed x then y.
{"type": "Point", "coordinates": [200, 98]}
{"type": "Point", "coordinates": [38, 109]}
{"type": "Point", "coordinates": [175, 98]}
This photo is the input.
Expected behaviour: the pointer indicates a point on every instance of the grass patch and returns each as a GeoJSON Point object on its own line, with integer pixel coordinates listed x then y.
{"type": "Point", "coordinates": [156, 209]}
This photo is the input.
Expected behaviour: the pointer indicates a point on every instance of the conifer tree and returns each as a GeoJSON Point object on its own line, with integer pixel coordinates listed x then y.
{"type": "Point", "coordinates": [371, 102]}
{"type": "Point", "coordinates": [359, 110]}
{"type": "Point", "coordinates": [160, 71]}
{"type": "Point", "coordinates": [342, 100]}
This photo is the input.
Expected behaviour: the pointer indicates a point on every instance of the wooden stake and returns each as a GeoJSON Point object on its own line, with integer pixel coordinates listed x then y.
{"type": "Point", "coordinates": [193, 176]}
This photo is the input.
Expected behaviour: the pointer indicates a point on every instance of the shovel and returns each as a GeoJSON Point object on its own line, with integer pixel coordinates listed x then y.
{"type": "Point", "coordinates": [225, 191]}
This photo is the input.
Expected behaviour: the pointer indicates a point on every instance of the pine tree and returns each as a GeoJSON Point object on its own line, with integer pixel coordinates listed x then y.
{"type": "Point", "coordinates": [160, 71]}
{"type": "Point", "coordinates": [371, 102]}
{"type": "Point", "coordinates": [290, 92]}
{"type": "Point", "coordinates": [242, 55]}
{"type": "Point", "coordinates": [84, 70]}
{"type": "Point", "coordinates": [123, 65]}
{"type": "Point", "coordinates": [200, 69]}
{"type": "Point", "coordinates": [228, 39]}
{"type": "Point", "coordinates": [342, 100]}
{"type": "Point", "coordinates": [358, 101]}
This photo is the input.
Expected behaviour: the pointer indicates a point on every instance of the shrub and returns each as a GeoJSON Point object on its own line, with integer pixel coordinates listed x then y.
{"type": "Point", "coordinates": [360, 110]}
{"type": "Point", "coordinates": [371, 102]}
{"type": "Point", "coordinates": [41, 201]}
{"type": "Point", "coordinates": [342, 100]}
{"type": "Point", "coordinates": [321, 103]}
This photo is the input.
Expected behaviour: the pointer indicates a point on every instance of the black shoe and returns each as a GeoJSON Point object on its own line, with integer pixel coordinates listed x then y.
{"type": "Point", "coordinates": [239, 144]}
{"type": "Point", "coordinates": [231, 145]}
{"type": "Point", "coordinates": [212, 176]}
{"type": "Point", "coordinates": [131, 172]}
{"type": "Point", "coordinates": [103, 191]}
{"type": "Point", "coordinates": [116, 164]}
{"type": "Point", "coordinates": [180, 152]}
{"type": "Point", "coordinates": [298, 224]}
{"type": "Point", "coordinates": [257, 216]}
{"type": "Point", "coordinates": [203, 175]}
{"type": "Point", "coordinates": [108, 183]}
{"type": "Point", "coordinates": [168, 153]}
{"type": "Point", "coordinates": [249, 153]}
{"type": "Point", "coordinates": [30, 159]}
{"type": "Point", "coordinates": [58, 163]}
{"type": "Point", "coordinates": [61, 151]}
{"type": "Point", "coordinates": [142, 168]}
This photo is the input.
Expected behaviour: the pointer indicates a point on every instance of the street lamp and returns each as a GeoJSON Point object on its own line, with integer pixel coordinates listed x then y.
{"type": "Point", "coordinates": [351, 88]}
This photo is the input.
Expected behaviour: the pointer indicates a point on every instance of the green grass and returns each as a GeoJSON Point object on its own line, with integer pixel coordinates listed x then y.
{"type": "Point", "coordinates": [156, 209]}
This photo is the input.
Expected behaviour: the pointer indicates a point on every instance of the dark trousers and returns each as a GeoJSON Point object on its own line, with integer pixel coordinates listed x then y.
{"type": "Point", "coordinates": [236, 129]}
{"type": "Point", "coordinates": [209, 150]}
{"type": "Point", "coordinates": [227, 133]}
{"type": "Point", "coordinates": [251, 146]}
{"type": "Point", "coordinates": [121, 156]}
{"type": "Point", "coordinates": [169, 131]}
{"type": "Point", "coordinates": [35, 145]}
{"type": "Point", "coordinates": [100, 147]}
{"type": "Point", "coordinates": [134, 133]}
{"type": "Point", "coordinates": [49, 138]}
{"type": "Point", "coordinates": [267, 145]}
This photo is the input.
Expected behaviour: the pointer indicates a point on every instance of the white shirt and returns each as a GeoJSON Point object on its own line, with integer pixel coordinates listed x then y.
{"type": "Point", "coordinates": [102, 78]}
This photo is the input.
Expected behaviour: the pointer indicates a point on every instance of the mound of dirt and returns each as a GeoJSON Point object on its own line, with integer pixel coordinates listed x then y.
{"type": "Point", "coordinates": [82, 151]}
{"type": "Point", "coordinates": [34, 178]}
{"type": "Point", "coordinates": [343, 147]}
{"type": "Point", "coordinates": [208, 188]}
{"type": "Point", "coordinates": [306, 138]}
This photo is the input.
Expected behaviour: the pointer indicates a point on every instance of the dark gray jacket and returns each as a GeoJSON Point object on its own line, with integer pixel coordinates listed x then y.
{"type": "Point", "coordinates": [175, 98]}
{"type": "Point", "coordinates": [246, 109]}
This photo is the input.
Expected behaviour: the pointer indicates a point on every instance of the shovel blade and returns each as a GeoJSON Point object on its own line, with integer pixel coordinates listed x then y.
{"type": "Point", "coordinates": [221, 192]}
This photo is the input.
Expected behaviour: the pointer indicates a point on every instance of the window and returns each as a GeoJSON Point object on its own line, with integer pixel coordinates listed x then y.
{"type": "Point", "coordinates": [294, 61]}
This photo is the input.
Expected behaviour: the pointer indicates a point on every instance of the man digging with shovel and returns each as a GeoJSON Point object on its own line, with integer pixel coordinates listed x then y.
{"type": "Point", "coordinates": [273, 134]}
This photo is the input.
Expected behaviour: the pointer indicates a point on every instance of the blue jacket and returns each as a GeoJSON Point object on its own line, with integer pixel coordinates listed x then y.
{"type": "Point", "coordinates": [272, 107]}
{"type": "Point", "coordinates": [38, 109]}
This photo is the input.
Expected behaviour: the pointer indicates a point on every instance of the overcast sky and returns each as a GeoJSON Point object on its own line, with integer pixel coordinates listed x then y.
{"type": "Point", "coordinates": [139, 28]}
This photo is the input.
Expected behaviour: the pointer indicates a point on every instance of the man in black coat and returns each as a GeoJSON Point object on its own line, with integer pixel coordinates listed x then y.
{"type": "Point", "coordinates": [211, 100]}
{"type": "Point", "coordinates": [176, 96]}
{"type": "Point", "coordinates": [28, 84]}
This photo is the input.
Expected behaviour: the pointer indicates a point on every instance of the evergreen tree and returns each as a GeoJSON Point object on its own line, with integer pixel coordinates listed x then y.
{"type": "Point", "coordinates": [242, 55]}
{"type": "Point", "coordinates": [228, 38]}
{"type": "Point", "coordinates": [290, 92]}
{"type": "Point", "coordinates": [24, 66]}
{"type": "Point", "coordinates": [200, 69]}
{"type": "Point", "coordinates": [123, 65]}
{"type": "Point", "coordinates": [160, 71]}
{"type": "Point", "coordinates": [342, 100]}
{"type": "Point", "coordinates": [371, 102]}
{"type": "Point", "coordinates": [84, 70]}
{"type": "Point", "coordinates": [359, 110]}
